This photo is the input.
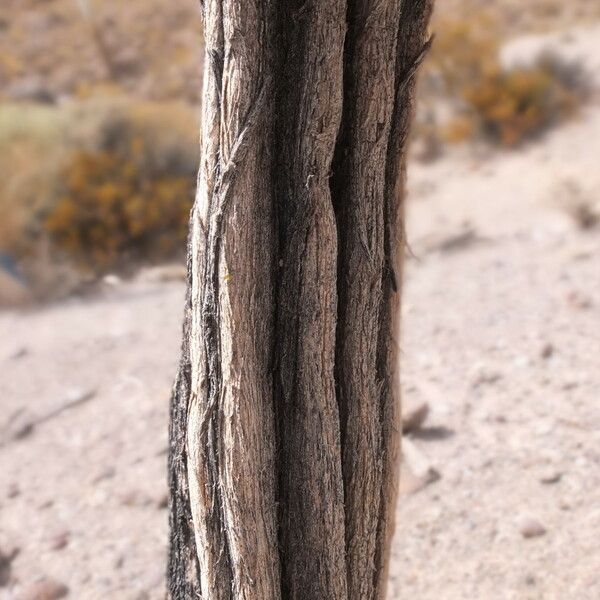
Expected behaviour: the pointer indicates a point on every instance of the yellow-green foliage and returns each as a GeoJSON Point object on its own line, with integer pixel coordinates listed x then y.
{"type": "Point", "coordinates": [514, 105]}
{"type": "Point", "coordinates": [105, 181]}
{"type": "Point", "coordinates": [112, 211]}
{"type": "Point", "coordinates": [127, 200]}
{"type": "Point", "coordinates": [31, 149]}
{"type": "Point", "coordinates": [505, 106]}
{"type": "Point", "coordinates": [464, 51]}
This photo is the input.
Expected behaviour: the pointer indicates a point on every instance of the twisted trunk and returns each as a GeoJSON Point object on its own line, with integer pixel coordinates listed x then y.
{"type": "Point", "coordinates": [284, 416]}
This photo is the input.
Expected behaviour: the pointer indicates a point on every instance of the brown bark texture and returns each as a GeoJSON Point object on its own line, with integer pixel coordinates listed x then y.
{"type": "Point", "coordinates": [285, 413]}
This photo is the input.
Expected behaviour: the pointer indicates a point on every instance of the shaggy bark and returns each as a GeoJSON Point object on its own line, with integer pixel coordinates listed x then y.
{"type": "Point", "coordinates": [380, 65]}
{"type": "Point", "coordinates": [360, 187]}
{"type": "Point", "coordinates": [412, 47]}
{"type": "Point", "coordinates": [284, 416]}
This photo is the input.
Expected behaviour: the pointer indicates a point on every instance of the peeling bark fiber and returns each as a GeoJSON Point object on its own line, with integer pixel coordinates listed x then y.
{"type": "Point", "coordinates": [285, 413]}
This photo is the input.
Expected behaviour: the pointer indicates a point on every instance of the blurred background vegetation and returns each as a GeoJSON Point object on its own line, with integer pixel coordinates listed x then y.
{"type": "Point", "coordinates": [99, 109]}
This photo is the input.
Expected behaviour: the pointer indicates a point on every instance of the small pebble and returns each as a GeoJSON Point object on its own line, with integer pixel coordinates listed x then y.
{"type": "Point", "coordinates": [531, 528]}
{"type": "Point", "coordinates": [112, 280]}
{"type": "Point", "coordinates": [551, 477]}
{"type": "Point", "coordinates": [18, 353]}
{"type": "Point", "coordinates": [7, 555]}
{"type": "Point", "coordinates": [486, 378]}
{"type": "Point", "coordinates": [47, 589]}
{"type": "Point", "coordinates": [134, 498]}
{"type": "Point", "coordinates": [414, 415]}
{"type": "Point", "coordinates": [107, 473]}
{"type": "Point", "coordinates": [59, 540]}
{"type": "Point", "coordinates": [163, 501]}
{"type": "Point", "coordinates": [579, 301]}
{"type": "Point", "coordinates": [13, 491]}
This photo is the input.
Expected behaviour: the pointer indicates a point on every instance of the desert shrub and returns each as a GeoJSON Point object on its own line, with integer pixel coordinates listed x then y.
{"type": "Point", "coordinates": [474, 96]}
{"type": "Point", "coordinates": [464, 50]}
{"type": "Point", "coordinates": [512, 106]}
{"type": "Point", "coordinates": [459, 129]}
{"type": "Point", "coordinates": [95, 183]}
{"type": "Point", "coordinates": [160, 137]}
{"type": "Point", "coordinates": [32, 146]}
{"type": "Point", "coordinates": [127, 199]}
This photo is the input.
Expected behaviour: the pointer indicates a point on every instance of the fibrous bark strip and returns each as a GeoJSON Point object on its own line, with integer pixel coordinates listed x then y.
{"type": "Point", "coordinates": [284, 416]}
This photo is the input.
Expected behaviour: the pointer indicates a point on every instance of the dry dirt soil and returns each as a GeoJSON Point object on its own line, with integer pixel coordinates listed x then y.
{"type": "Point", "coordinates": [501, 338]}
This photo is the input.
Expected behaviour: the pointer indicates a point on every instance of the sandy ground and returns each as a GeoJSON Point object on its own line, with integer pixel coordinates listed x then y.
{"type": "Point", "coordinates": [501, 338]}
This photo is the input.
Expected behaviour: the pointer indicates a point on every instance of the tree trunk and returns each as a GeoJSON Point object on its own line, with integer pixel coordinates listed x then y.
{"type": "Point", "coordinates": [284, 417]}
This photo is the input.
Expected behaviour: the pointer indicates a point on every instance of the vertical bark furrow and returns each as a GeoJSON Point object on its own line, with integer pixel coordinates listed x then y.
{"type": "Point", "coordinates": [359, 188]}
{"type": "Point", "coordinates": [410, 51]}
{"type": "Point", "coordinates": [311, 491]}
